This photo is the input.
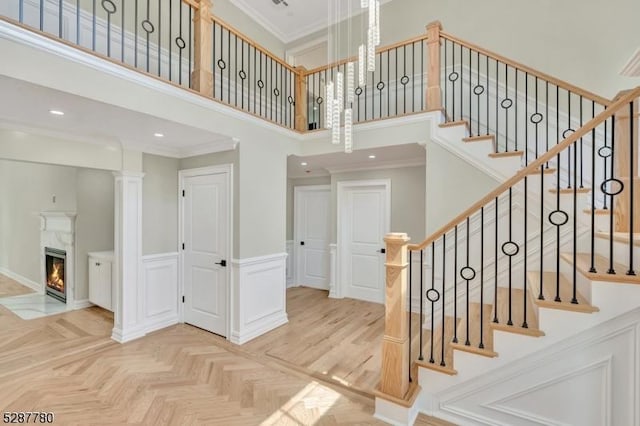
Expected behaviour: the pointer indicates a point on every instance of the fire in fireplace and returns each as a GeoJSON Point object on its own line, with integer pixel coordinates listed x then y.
{"type": "Point", "coordinates": [54, 263]}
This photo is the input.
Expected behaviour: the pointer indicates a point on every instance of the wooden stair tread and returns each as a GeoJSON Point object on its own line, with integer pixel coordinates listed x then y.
{"type": "Point", "coordinates": [549, 293]}
{"type": "Point", "coordinates": [621, 237]}
{"type": "Point", "coordinates": [570, 191]}
{"type": "Point", "coordinates": [583, 265]}
{"type": "Point", "coordinates": [454, 123]}
{"type": "Point", "coordinates": [506, 154]}
{"type": "Point", "coordinates": [479, 138]}
{"type": "Point", "coordinates": [598, 211]}
{"type": "Point", "coordinates": [517, 313]}
{"type": "Point", "coordinates": [474, 331]}
{"type": "Point", "coordinates": [546, 171]}
{"type": "Point", "coordinates": [437, 348]}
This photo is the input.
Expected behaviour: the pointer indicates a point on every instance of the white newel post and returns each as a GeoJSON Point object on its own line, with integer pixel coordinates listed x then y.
{"type": "Point", "coordinates": [129, 303]}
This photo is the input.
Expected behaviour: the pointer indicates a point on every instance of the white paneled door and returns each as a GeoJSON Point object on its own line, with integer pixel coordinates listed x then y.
{"type": "Point", "coordinates": [205, 252]}
{"type": "Point", "coordinates": [312, 221]}
{"type": "Point", "coordinates": [364, 219]}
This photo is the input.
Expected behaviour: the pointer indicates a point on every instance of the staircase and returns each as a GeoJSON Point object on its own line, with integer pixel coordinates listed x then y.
{"type": "Point", "coordinates": [523, 295]}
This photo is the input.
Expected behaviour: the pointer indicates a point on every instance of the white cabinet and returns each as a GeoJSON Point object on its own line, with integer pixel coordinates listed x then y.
{"type": "Point", "coordinates": [101, 291]}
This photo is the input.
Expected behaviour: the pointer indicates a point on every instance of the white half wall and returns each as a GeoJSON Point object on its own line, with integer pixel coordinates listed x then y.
{"type": "Point", "coordinates": [160, 288]}
{"type": "Point", "coordinates": [258, 296]}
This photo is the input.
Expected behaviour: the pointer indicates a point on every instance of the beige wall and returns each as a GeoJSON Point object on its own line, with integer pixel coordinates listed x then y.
{"type": "Point", "coordinates": [159, 204]}
{"type": "Point", "coordinates": [586, 42]}
{"type": "Point", "coordinates": [291, 184]}
{"type": "Point", "coordinates": [94, 222]}
{"type": "Point", "coordinates": [216, 159]}
{"type": "Point", "coordinates": [27, 190]}
{"type": "Point", "coordinates": [452, 185]}
{"type": "Point", "coordinates": [407, 197]}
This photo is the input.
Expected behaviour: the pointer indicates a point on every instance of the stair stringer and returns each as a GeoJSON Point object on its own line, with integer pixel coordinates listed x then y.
{"type": "Point", "coordinates": [525, 364]}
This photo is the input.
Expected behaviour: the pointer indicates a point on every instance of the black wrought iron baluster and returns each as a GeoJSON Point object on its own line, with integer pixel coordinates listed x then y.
{"type": "Point", "coordinates": [221, 63]}
{"type": "Point", "coordinates": [467, 274]}
{"type": "Point", "coordinates": [21, 11]}
{"type": "Point", "coordinates": [109, 12]}
{"type": "Point", "coordinates": [93, 24]}
{"type": "Point", "coordinates": [546, 122]}
{"type": "Point", "coordinates": [60, 18]}
{"type": "Point", "coordinates": [592, 267]}
{"type": "Point", "coordinates": [255, 79]}
{"type": "Point", "coordinates": [410, 281]}
{"type": "Point", "coordinates": [455, 285]}
{"type": "Point", "coordinates": [397, 79]}
{"type": "Point", "coordinates": [581, 148]}
{"type": "Point", "coordinates": [478, 94]}
{"type": "Point", "coordinates": [433, 280]}
{"type": "Point", "coordinates": [633, 172]}
{"type": "Point", "coordinates": [403, 80]}
{"type": "Point", "coordinates": [557, 222]}
{"type": "Point", "coordinates": [413, 77]}
{"type": "Point", "coordinates": [525, 252]}
{"type": "Point", "coordinates": [461, 84]}
{"type": "Point", "coordinates": [228, 62]}
{"type": "Point", "coordinates": [481, 345]}
{"type": "Point", "coordinates": [610, 191]}
{"type": "Point", "coordinates": [135, 34]}
{"type": "Point", "coordinates": [261, 84]}
{"type": "Point", "coordinates": [235, 70]}
{"type": "Point", "coordinates": [495, 260]}
{"type": "Point", "coordinates": [77, 20]}
{"type": "Point", "coordinates": [497, 129]}
{"type": "Point", "coordinates": [171, 35]}
{"type": "Point", "coordinates": [541, 278]}
{"type": "Point", "coordinates": [470, 97]}
{"type": "Point", "coordinates": [526, 118]}
{"type": "Point", "coordinates": [270, 89]}
{"type": "Point", "coordinates": [422, 92]}
{"type": "Point", "coordinates": [564, 135]}
{"type": "Point", "coordinates": [574, 298]}
{"type": "Point", "coordinates": [160, 37]}
{"type": "Point", "coordinates": [420, 356]}
{"type": "Point", "coordinates": [244, 73]}
{"type": "Point", "coordinates": [190, 43]}
{"type": "Point", "coordinates": [506, 105]}
{"type": "Point", "coordinates": [147, 26]}
{"type": "Point", "coordinates": [604, 160]}
{"type": "Point", "coordinates": [380, 83]}
{"type": "Point", "coordinates": [510, 255]}
{"type": "Point", "coordinates": [453, 76]}
{"type": "Point", "coordinates": [444, 83]}
{"type": "Point", "coordinates": [487, 90]}
{"type": "Point", "coordinates": [388, 85]}
{"type": "Point", "coordinates": [435, 296]}
{"type": "Point", "coordinates": [515, 121]}
{"type": "Point", "coordinates": [309, 104]}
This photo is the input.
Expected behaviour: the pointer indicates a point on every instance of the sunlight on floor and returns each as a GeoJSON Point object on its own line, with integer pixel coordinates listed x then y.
{"type": "Point", "coordinates": [306, 407]}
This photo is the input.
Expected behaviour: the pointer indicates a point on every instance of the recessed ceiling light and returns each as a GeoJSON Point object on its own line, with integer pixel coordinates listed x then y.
{"type": "Point", "coordinates": [55, 112]}
{"type": "Point", "coordinates": [304, 163]}
{"type": "Point", "coordinates": [158, 135]}
{"type": "Point", "coordinates": [372, 157]}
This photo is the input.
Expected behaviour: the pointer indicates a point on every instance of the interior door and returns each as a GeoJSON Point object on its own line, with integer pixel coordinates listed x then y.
{"type": "Point", "coordinates": [206, 225]}
{"type": "Point", "coordinates": [312, 223]}
{"type": "Point", "coordinates": [365, 222]}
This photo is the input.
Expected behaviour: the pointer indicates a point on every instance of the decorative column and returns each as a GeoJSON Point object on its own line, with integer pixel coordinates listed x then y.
{"type": "Point", "coordinates": [394, 375]}
{"type": "Point", "coordinates": [626, 168]}
{"type": "Point", "coordinates": [202, 75]}
{"type": "Point", "coordinates": [434, 95]}
{"type": "Point", "coordinates": [129, 303]}
{"type": "Point", "coordinates": [302, 121]}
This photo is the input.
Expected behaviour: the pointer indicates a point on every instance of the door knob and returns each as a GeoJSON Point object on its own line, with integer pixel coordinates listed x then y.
{"type": "Point", "coordinates": [222, 263]}
{"type": "Point", "coordinates": [301, 243]}
{"type": "Point", "coordinates": [383, 251]}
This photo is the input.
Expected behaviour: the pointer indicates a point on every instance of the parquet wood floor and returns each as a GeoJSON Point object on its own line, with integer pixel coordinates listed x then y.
{"type": "Point", "coordinates": [335, 339]}
{"type": "Point", "coordinates": [9, 287]}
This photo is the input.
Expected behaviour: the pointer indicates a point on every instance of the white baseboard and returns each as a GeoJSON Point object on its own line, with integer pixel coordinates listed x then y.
{"type": "Point", "coordinates": [22, 280]}
{"type": "Point", "coordinates": [277, 320]}
{"type": "Point", "coordinates": [152, 326]}
{"type": "Point", "coordinates": [82, 304]}
{"type": "Point", "coordinates": [132, 333]}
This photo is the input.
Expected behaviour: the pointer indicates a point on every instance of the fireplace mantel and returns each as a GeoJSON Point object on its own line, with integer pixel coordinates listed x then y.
{"type": "Point", "coordinates": [58, 222]}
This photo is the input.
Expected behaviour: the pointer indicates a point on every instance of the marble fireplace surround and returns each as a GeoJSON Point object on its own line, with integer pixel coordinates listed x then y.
{"type": "Point", "coordinates": [57, 230]}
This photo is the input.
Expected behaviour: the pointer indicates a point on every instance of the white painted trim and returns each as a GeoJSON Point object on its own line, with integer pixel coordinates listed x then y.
{"type": "Point", "coordinates": [159, 256]}
{"type": "Point", "coordinates": [250, 273]}
{"type": "Point", "coordinates": [342, 231]}
{"type": "Point", "coordinates": [297, 190]}
{"type": "Point", "coordinates": [201, 171]}
{"type": "Point", "coordinates": [44, 44]}
{"type": "Point", "coordinates": [393, 164]}
{"type": "Point", "coordinates": [169, 261]}
{"type": "Point", "coordinates": [632, 68]}
{"type": "Point", "coordinates": [38, 288]}
{"type": "Point", "coordinates": [290, 263]}
{"type": "Point", "coordinates": [82, 304]}
{"type": "Point", "coordinates": [333, 274]}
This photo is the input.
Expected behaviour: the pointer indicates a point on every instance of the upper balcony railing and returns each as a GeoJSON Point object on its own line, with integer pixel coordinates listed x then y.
{"type": "Point", "coordinates": [182, 42]}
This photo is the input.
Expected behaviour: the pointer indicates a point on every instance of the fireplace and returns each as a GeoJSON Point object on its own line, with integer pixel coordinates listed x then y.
{"type": "Point", "coordinates": [55, 261]}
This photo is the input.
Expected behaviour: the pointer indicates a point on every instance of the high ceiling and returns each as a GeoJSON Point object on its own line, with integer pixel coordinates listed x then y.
{"type": "Point", "coordinates": [300, 17]}
{"type": "Point", "coordinates": [27, 108]}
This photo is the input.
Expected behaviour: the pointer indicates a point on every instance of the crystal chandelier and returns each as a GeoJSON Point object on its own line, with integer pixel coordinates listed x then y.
{"type": "Point", "coordinates": [336, 99]}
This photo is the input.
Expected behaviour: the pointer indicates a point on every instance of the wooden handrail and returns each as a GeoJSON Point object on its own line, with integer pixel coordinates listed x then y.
{"type": "Point", "coordinates": [532, 167]}
{"type": "Point", "coordinates": [193, 3]}
{"type": "Point", "coordinates": [355, 58]}
{"type": "Point", "coordinates": [556, 81]}
{"type": "Point", "coordinates": [253, 43]}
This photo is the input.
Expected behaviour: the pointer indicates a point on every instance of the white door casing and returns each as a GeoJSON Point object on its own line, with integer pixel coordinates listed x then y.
{"type": "Point", "coordinates": [311, 235]}
{"type": "Point", "coordinates": [364, 217]}
{"type": "Point", "coordinates": [205, 231]}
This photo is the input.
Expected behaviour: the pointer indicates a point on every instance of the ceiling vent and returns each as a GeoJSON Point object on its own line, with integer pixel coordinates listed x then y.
{"type": "Point", "coordinates": [276, 2]}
